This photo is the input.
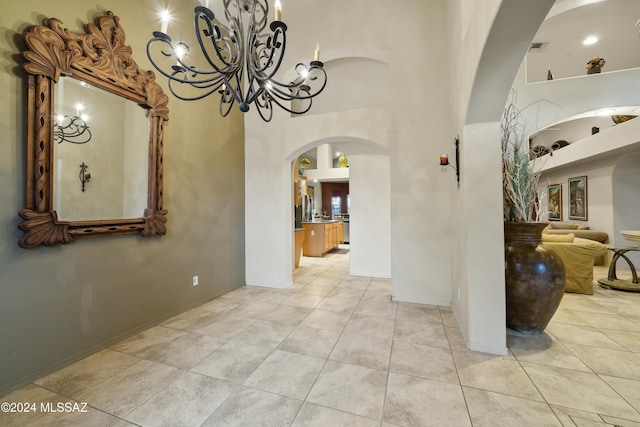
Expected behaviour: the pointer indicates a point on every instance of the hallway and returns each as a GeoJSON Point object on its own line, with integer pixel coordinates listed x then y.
{"type": "Point", "coordinates": [334, 350]}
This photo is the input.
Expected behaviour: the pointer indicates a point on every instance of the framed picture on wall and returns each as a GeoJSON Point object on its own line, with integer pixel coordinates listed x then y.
{"type": "Point", "coordinates": [555, 202]}
{"type": "Point", "coordinates": [578, 194]}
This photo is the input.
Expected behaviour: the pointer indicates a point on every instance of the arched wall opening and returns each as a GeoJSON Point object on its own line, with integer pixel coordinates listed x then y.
{"type": "Point", "coordinates": [478, 299]}
{"type": "Point", "coordinates": [370, 214]}
{"type": "Point", "coordinates": [269, 151]}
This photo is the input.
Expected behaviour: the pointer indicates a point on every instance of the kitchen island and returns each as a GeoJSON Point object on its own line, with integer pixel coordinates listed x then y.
{"type": "Point", "coordinates": [321, 236]}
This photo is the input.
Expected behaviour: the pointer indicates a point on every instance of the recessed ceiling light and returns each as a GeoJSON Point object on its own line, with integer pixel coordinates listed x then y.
{"type": "Point", "coordinates": [590, 40]}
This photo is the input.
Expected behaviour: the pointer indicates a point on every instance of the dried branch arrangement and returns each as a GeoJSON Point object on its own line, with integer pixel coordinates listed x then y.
{"type": "Point", "coordinates": [520, 174]}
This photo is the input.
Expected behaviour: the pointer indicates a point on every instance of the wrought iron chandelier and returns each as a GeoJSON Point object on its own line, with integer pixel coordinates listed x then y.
{"type": "Point", "coordinates": [230, 50]}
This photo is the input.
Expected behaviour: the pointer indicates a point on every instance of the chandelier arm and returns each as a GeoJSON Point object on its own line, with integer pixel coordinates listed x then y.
{"type": "Point", "coordinates": [163, 38]}
{"type": "Point", "coordinates": [256, 5]}
{"type": "Point", "coordinates": [251, 54]}
{"type": "Point", "coordinates": [226, 103]}
{"type": "Point", "coordinates": [279, 44]}
{"type": "Point", "coordinates": [264, 105]}
{"type": "Point", "coordinates": [264, 7]}
{"type": "Point", "coordinates": [255, 90]}
{"type": "Point", "coordinates": [210, 85]}
{"type": "Point", "coordinates": [213, 33]}
{"type": "Point", "coordinates": [308, 102]}
{"type": "Point", "coordinates": [233, 68]}
{"type": "Point", "coordinates": [237, 91]}
{"type": "Point", "coordinates": [229, 95]}
{"type": "Point", "coordinates": [266, 118]}
{"type": "Point", "coordinates": [189, 98]}
{"type": "Point", "coordinates": [182, 68]}
{"type": "Point", "coordinates": [287, 95]}
{"type": "Point", "coordinates": [266, 48]}
{"type": "Point", "coordinates": [263, 115]}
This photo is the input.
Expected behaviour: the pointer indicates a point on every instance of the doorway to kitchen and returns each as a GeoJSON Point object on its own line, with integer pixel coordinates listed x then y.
{"type": "Point", "coordinates": [358, 196]}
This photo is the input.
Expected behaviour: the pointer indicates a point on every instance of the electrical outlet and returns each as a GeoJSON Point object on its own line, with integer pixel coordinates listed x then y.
{"type": "Point", "coordinates": [195, 280]}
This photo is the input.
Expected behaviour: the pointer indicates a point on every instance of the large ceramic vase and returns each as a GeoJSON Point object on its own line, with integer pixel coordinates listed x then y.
{"type": "Point", "coordinates": [534, 275]}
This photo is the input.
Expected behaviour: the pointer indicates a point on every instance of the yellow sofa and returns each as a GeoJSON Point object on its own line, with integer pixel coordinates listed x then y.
{"type": "Point", "coordinates": [578, 230]}
{"type": "Point", "coordinates": [578, 256]}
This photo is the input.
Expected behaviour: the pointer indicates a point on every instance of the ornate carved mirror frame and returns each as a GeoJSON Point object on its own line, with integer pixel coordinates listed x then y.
{"type": "Point", "coordinates": [101, 59]}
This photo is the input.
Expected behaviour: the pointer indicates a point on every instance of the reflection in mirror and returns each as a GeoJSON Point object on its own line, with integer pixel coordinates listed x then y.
{"type": "Point", "coordinates": [113, 162]}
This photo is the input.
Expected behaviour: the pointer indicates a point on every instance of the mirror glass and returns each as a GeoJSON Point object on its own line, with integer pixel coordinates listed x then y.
{"type": "Point", "coordinates": [101, 154]}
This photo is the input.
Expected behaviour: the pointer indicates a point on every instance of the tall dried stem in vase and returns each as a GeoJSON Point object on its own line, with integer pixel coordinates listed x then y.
{"type": "Point", "coordinates": [520, 170]}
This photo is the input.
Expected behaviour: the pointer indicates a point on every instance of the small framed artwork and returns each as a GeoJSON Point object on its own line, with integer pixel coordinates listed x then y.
{"type": "Point", "coordinates": [578, 194]}
{"type": "Point", "coordinates": [555, 202]}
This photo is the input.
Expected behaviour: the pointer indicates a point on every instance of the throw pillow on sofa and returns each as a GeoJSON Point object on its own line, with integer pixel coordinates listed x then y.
{"type": "Point", "coordinates": [563, 225]}
{"type": "Point", "coordinates": [559, 238]}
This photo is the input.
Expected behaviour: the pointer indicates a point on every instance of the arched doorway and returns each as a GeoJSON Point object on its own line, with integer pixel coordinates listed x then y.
{"type": "Point", "coordinates": [369, 183]}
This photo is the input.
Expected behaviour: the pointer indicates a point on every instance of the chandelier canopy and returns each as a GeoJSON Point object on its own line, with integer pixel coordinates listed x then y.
{"type": "Point", "coordinates": [227, 51]}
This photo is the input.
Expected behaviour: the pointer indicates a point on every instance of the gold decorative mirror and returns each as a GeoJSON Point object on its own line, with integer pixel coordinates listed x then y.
{"type": "Point", "coordinates": [94, 137]}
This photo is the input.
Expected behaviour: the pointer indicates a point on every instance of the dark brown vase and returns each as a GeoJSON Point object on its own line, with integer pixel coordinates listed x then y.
{"type": "Point", "coordinates": [534, 276]}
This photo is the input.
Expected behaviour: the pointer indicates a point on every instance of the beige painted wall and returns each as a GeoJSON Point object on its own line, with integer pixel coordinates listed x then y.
{"type": "Point", "coordinates": [61, 303]}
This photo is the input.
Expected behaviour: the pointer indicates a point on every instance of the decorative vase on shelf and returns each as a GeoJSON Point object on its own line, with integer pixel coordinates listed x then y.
{"type": "Point", "coordinates": [343, 161]}
{"type": "Point", "coordinates": [534, 276]}
{"type": "Point", "coordinates": [595, 64]}
{"type": "Point", "coordinates": [621, 118]}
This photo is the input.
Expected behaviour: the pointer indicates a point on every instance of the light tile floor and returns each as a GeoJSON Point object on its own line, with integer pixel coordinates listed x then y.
{"type": "Point", "coordinates": [334, 350]}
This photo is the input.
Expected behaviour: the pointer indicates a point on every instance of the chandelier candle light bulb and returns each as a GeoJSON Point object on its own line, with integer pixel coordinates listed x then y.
{"type": "Point", "coordinates": [316, 54]}
{"type": "Point", "coordinates": [165, 16]}
{"type": "Point", "coordinates": [278, 9]}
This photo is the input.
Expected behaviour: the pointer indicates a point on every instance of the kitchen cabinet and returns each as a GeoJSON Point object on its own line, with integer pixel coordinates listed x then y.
{"type": "Point", "coordinates": [321, 237]}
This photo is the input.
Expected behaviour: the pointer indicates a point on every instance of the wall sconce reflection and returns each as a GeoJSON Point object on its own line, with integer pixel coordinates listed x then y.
{"type": "Point", "coordinates": [444, 160]}
{"type": "Point", "coordinates": [84, 175]}
{"type": "Point", "coordinates": [73, 129]}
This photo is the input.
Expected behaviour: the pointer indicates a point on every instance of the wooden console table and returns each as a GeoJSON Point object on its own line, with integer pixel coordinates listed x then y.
{"type": "Point", "coordinates": [612, 281]}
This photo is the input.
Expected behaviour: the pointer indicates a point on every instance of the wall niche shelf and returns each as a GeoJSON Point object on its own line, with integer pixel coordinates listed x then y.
{"type": "Point", "coordinates": [617, 140]}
